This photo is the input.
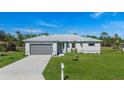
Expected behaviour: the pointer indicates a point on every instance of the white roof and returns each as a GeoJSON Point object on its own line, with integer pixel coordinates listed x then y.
{"type": "Point", "coordinates": [63, 38]}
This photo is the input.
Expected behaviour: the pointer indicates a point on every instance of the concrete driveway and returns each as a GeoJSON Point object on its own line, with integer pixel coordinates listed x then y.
{"type": "Point", "coordinates": [28, 68]}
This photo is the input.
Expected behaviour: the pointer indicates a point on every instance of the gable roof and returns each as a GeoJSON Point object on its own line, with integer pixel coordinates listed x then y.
{"type": "Point", "coordinates": [63, 38]}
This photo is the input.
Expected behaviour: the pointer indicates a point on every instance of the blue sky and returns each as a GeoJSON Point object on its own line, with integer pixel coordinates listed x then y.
{"type": "Point", "coordinates": [83, 23]}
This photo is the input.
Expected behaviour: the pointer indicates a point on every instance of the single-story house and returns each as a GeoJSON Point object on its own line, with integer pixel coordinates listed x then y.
{"type": "Point", "coordinates": [60, 44]}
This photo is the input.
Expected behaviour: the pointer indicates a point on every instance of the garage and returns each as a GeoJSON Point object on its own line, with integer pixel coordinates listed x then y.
{"type": "Point", "coordinates": [41, 49]}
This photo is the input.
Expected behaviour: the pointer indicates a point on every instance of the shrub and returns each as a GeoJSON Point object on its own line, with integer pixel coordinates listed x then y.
{"type": "Point", "coordinates": [2, 48]}
{"type": "Point", "coordinates": [75, 58]}
{"type": "Point", "coordinates": [71, 50]}
{"type": "Point", "coordinates": [75, 50]}
{"type": "Point", "coordinates": [3, 54]}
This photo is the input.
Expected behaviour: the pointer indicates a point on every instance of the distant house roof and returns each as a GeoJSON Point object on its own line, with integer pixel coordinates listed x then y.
{"type": "Point", "coordinates": [63, 38]}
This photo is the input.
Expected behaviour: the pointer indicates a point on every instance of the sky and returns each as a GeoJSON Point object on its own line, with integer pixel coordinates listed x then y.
{"type": "Point", "coordinates": [82, 23]}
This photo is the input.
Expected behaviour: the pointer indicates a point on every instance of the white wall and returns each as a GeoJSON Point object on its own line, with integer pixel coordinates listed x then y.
{"type": "Point", "coordinates": [65, 48]}
{"type": "Point", "coordinates": [79, 47]}
{"type": "Point", "coordinates": [69, 47]}
{"type": "Point", "coordinates": [27, 48]}
{"type": "Point", "coordinates": [85, 48]}
{"type": "Point", "coordinates": [54, 48]}
{"type": "Point", "coordinates": [91, 49]}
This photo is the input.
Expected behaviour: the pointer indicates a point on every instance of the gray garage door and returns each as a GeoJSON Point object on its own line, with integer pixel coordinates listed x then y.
{"type": "Point", "coordinates": [41, 49]}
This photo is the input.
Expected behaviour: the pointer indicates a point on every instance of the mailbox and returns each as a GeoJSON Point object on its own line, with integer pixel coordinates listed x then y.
{"type": "Point", "coordinates": [62, 65]}
{"type": "Point", "coordinates": [62, 71]}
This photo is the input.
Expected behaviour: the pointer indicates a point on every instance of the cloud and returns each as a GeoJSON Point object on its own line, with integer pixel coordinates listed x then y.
{"type": "Point", "coordinates": [114, 27]}
{"type": "Point", "coordinates": [44, 23]}
{"type": "Point", "coordinates": [82, 31]}
{"type": "Point", "coordinates": [31, 30]}
{"type": "Point", "coordinates": [114, 14]}
{"type": "Point", "coordinates": [97, 14]}
{"type": "Point", "coordinates": [26, 30]}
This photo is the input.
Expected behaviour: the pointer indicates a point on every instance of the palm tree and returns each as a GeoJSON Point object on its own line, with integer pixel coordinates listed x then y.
{"type": "Point", "coordinates": [105, 37]}
{"type": "Point", "coordinates": [19, 38]}
{"type": "Point", "coordinates": [9, 40]}
{"type": "Point", "coordinates": [2, 35]}
{"type": "Point", "coordinates": [116, 41]}
{"type": "Point", "coordinates": [2, 48]}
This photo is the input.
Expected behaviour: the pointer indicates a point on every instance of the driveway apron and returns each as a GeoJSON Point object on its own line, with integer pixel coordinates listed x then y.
{"type": "Point", "coordinates": [28, 68]}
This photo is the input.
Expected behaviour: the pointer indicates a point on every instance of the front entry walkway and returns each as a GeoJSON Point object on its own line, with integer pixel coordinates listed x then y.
{"type": "Point", "coordinates": [28, 68]}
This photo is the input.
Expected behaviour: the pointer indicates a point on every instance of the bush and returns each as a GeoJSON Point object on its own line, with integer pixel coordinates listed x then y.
{"type": "Point", "coordinates": [71, 50]}
{"type": "Point", "coordinates": [11, 58]}
{"type": "Point", "coordinates": [19, 49]}
{"type": "Point", "coordinates": [3, 54]}
{"type": "Point", "coordinates": [2, 48]}
{"type": "Point", "coordinates": [75, 58]}
{"type": "Point", "coordinates": [75, 50]}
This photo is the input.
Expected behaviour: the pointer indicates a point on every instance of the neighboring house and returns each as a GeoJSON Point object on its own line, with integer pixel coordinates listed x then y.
{"type": "Point", "coordinates": [1, 42]}
{"type": "Point", "coordinates": [122, 46]}
{"type": "Point", "coordinates": [60, 44]}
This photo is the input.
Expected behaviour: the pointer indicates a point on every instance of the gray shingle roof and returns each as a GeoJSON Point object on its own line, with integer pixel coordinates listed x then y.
{"type": "Point", "coordinates": [63, 38]}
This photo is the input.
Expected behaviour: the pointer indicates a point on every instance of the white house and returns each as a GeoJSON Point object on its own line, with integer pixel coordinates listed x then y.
{"type": "Point", "coordinates": [60, 44]}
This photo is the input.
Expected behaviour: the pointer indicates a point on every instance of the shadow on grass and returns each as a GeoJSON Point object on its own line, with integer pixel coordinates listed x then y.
{"type": "Point", "coordinates": [66, 77]}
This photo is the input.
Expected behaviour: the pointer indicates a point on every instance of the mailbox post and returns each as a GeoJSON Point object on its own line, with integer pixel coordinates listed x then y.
{"type": "Point", "coordinates": [62, 71]}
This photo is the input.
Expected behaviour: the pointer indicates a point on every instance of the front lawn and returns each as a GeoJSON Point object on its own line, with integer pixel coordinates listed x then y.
{"type": "Point", "coordinates": [10, 57]}
{"type": "Point", "coordinates": [106, 66]}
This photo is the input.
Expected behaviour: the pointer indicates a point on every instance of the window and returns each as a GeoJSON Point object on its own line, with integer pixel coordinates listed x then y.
{"type": "Point", "coordinates": [91, 44]}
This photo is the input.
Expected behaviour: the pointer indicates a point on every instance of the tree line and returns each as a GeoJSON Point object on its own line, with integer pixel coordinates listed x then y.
{"type": "Point", "coordinates": [13, 41]}
{"type": "Point", "coordinates": [109, 41]}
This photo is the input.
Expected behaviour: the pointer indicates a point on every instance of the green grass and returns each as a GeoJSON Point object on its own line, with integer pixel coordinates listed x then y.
{"type": "Point", "coordinates": [10, 58]}
{"type": "Point", "coordinates": [106, 66]}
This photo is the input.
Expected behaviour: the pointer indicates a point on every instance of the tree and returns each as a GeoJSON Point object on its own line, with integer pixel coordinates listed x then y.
{"type": "Point", "coordinates": [105, 37]}
{"type": "Point", "coordinates": [116, 41]}
{"type": "Point", "coordinates": [43, 34]}
{"type": "Point", "coordinates": [2, 35]}
{"type": "Point", "coordinates": [19, 39]}
{"type": "Point", "coordinates": [74, 33]}
{"type": "Point", "coordinates": [92, 36]}
{"type": "Point", "coordinates": [2, 49]}
{"type": "Point", "coordinates": [10, 40]}
{"type": "Point", "coordinates": [46, 34]}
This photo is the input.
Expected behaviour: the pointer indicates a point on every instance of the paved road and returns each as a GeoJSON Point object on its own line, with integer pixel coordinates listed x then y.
{"type": "Point", "coordinates": [28, 68]}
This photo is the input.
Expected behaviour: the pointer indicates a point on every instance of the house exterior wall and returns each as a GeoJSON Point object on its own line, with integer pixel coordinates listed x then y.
{"type": "Point", "coordinates": [91, 49]}
{"type": "Point", "coordinates": [69, 47]}
{"type": "Point", "coordinates": [79, 47]}
{"type": "Point", "coordinates": [65, 48]}
{"type": "Point", "coordinates": [85, 48]}
{"type": "Point", "coordinates": [27, 48]}
{"type": "Point", "coordinates": [54, 48]}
